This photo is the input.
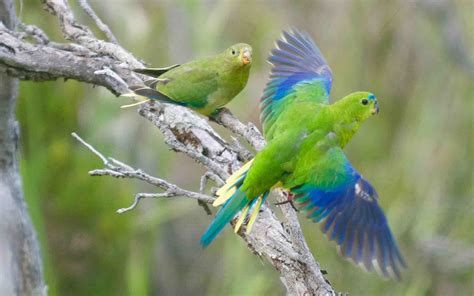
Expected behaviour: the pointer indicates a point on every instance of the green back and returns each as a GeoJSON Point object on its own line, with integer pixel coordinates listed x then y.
{"type": "Point", "coordinates": [205, 84]}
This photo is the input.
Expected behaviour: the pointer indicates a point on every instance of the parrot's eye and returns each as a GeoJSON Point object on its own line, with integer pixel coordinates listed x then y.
{"type": "Point", "coordinates": [233, 52]}
{"type": "Point", "coordinates": [365, 102]}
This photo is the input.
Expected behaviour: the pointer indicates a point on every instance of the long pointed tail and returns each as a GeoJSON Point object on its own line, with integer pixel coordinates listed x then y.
{"type": "Point", "coordinates": [235, 204]}
{"type": "Point", "coordinates": [145, 93]}
{"type": "Point", "coordinates": [233, 201]}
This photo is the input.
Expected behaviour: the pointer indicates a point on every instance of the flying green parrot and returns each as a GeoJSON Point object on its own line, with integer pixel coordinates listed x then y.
{"type": "Point", "coordinates": [304, 154]}
{"type": "Point", "coordinates": [204, 85]}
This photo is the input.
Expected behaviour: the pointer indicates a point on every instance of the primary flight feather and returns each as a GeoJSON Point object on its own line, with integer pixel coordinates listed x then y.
{"type": "Point", "coordinates": [304, 155]}
{"type": "Point", "coordinates": [204, 85]}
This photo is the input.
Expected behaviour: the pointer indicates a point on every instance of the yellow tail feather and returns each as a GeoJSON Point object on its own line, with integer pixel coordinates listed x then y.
{"type": "Point", "coordinates": [140, 99]}
{"type": "Point", "coordinates": [256, 210]}
{"type": "Point", "coordinates": [129, 95]}
{"type": "Point", "coordinates": [226, 191]}
{"type": "Point", "coordinates": [134, 104]}
{"type": "Point", "coordinates": [241, 218]}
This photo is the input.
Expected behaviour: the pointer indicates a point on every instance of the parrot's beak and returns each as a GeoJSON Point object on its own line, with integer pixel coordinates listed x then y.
{"type": "Point", "coordinates": [246, 56]}
{"type": "Point", "coordinates": [375, 110]}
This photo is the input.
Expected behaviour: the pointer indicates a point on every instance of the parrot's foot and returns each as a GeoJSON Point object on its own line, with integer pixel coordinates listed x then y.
{"type": "Point", "coordinates": [214, 116]}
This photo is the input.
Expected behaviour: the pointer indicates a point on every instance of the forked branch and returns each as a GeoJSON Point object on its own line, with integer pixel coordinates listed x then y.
{"type": "Point", "coordinates": [89, 59]}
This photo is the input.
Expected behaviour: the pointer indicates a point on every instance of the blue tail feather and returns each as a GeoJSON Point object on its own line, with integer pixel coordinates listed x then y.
{"type": "Point", "coordinates": [234, 205]}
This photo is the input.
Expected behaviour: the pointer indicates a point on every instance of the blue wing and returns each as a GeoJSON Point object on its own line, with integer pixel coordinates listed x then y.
{"type": "Point", "coordinates": [350, 214]}
{"type": "Point", "coordinates": [299, 70]}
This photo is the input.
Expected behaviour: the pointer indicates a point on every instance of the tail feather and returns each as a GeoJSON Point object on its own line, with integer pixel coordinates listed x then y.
{"type": "Point", "coordinates": [233, 200]}
{"type": "Point", "coordinates": [146, 93]}
{"type": "Point", "coordinates": [242, 217]}
{"type": "Point", "coordinates": [226, 191]}
{"type": "Point", "coordinates": [235, 204]}
{"type": "Point", "coordinates": [253, 217]}
{"type": "Point", "coordinates": [154, 72]}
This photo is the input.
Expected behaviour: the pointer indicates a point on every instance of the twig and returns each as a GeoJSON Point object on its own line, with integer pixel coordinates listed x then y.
{"type": "Point", "coordinates": [202, 187]}
{"type": "Point", "coordinates": [103, 27]}
{"type": "Point", "coordinates": [82, 35]}
{"type": "Point", "coordinates": [108, 73]}
{"type": "Point", "coordinates": [248, 131]}
{"type": "Point", "coordinates": [92, 149]}
{"type": "Point", "coordinates": [35, 32]}
{"type": "Point", "coordinates": [118, 169]}
{"type": "Point", "coordinates": [140, 196]}
{"type": "Point", "coordinates": [245, 154]}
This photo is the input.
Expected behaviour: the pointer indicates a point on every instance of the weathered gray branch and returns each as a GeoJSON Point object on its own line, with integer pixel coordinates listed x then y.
{"type": "Point", "coordinates": [118, 169]}
{"type": "Point", "coordinates": [39, 62]}
{"type": "Point", "coordinates": [103, 63]}
{"type": "Point", "coordinates": [247, 131]}
{"type": "Point", "coordinates": [103, 27]}
{"type": "Point", "coordinates": [82, 35]}
{"type": "Point", "coordinates": [20, 261]}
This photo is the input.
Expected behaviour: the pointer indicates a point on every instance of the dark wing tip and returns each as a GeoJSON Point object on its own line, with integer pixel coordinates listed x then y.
{"type": "Point", "coordinates": [145, 91]}
{"type": "Point", "coordinates": [136, 86]}
{"type": "Point", "coordinates": [154, 72]}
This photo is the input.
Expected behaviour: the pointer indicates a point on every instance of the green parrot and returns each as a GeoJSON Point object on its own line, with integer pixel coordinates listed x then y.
{"type": "Point", "coordinates": [304, 154]}
{"type": "Point", "coordinates": [204, 85]}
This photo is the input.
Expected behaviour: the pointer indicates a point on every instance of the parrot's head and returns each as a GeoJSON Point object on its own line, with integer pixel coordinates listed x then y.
{"type": "Point", "coordinates": [361, 104]}
{"type": "Point", "coordinates": [239, 54]}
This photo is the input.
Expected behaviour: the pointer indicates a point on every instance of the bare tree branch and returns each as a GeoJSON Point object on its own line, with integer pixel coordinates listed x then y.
{"type": "Point", "coordinates": [248, 131]}
{"type": "Point", "coordinates": [27, 61]}
{"type": "Point", "coordinates": [20, 261]}
{"type": "Point", "coordinates": [118, 169]}
{"type": "Point", "coordinates": [103, 63]}
{"type": "Point", "coordinates": [82, 35]}
{"type": "Point", "coordinates": [103, 27]}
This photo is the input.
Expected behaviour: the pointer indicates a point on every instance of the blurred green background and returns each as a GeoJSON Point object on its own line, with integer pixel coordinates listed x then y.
{"type": "Point", "coordinates": [416, 56]}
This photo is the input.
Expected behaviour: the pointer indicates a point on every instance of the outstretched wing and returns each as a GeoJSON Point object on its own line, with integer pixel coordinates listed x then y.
{"type": "Point", "coordinates": [346, 206]}
{"type": "Point", "coordinates": [299, 72]}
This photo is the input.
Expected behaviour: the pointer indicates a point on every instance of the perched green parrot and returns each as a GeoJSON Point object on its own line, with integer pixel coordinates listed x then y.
{"type": "Point", "coordinates": [203, 85]}
{"type": "Point", "coordinates": [304, 154]}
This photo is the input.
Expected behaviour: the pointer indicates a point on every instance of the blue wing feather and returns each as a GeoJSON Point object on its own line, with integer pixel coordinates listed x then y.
{"type": "Point", "coordinates": [296, 61]}
{"type": "Point", "coordinates": [353, 218]}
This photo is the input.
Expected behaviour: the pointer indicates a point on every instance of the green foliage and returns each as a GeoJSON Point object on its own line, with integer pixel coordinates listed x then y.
{"type": "Point", "coordinates": [417, 152]}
